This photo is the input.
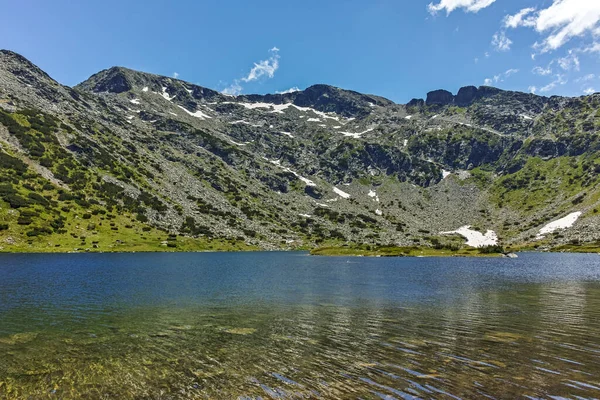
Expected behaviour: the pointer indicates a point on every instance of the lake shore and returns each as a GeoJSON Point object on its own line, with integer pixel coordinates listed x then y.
{"type": "Point", "coordinates": [390, 251]}
{"type": "Point", "coordinates": [189, 245]}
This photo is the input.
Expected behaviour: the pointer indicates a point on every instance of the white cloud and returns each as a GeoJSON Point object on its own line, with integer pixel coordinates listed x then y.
{"type": "Point", "coordinates": [290, 90]}
{"type": "Point", "coordinates": [594, 48]}
{"type": "Point", "coordinates": [500, 77]}
{"type": "Point", "coordinates": [569, 62]}
{"type": "Point", "coordinates": [175, 75]}
{"type": "Point", "coordinates": [542, 71]}
{"type": "Point", "coordinates": [451, 5]}
{"type": "Point", "coordinates": [234, 89]}
{"type": "Point", "coordinates": [585, 78]}
{"type": "Point", "coordinates": [264, 67]}
{"type": "Point", "coordinates": [513, 21]}
{"type": "Point", "coordinates": [532, 89]}
{"type": "Point", "coordinates": [560, 22]}
{"type": "Point", "coordinates": [589, 91]}
{"type": "Point", "coordinates": [501, 42]}
{"type": "Point", "coordinates": [559, 80]}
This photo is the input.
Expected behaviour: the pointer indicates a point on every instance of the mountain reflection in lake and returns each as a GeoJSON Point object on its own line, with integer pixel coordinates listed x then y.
{"type": "Point", "coordinates": [285, 325]}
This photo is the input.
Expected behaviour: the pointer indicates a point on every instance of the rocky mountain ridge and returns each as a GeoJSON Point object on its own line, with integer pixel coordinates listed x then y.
{"type": "Point", "coordinates": [131, 157]}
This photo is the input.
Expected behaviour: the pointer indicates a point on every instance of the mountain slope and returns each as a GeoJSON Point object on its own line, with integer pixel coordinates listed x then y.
{"type": "Point", "coordinates": [128, 158]}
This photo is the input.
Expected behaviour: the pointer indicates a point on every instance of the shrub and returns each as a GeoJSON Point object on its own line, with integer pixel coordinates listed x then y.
{"type": "Point", "coordinates": [491, 249]}
{"type": "Point", "coordinates": [16, 201]}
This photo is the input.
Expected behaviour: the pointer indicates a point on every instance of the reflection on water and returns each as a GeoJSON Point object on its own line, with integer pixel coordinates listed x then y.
{"type": "Point", "coordinates": [499, 338]}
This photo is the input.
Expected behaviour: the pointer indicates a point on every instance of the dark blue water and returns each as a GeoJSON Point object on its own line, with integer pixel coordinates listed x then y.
{"type": "Point", "coordinates": [339, 327]}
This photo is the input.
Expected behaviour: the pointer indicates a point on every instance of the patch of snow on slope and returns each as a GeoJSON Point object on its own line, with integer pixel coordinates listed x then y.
{"type": "Point", "coordinates": [356, 135]}
{"type": "Point", "coordinates": [197, 114]}
{"type": "Point", "coordinates": [341, 193]}
{"type": "Point", "coordinates": [563, 223]}
{"type": "Point", "coordinates": [307, 181]}
{"type": "Point", "coordinates": [130, 117]}
{"type": "Point", "coordinates": [305, 215]}
{"type": "Point", "coordinates": [145, 89]}
{"type": "Point", "coordinates": [405, 142]}
{"type": "Point", "coordinates": [287, 134]}
{"type": "Point", "coordinates": [434, 117]}
{"type": "Point", "coordinates": [243, 122]}
{"type": "Point", "coordinates": [445, 174]}
{"type": "Point", "coordinates": [190, 91]}
{"type": "Point", "coordinates": [313, 120]}
{"type": "Point", "coordinates": [135, 101]}
{"type": "Point", "coordinates": [378, 212]}
{"type": "Point", "coordinates": [165, 94]}
{"type": "Point", "coordinates": [238, 143]}
{"type": "Point", "coordinates": [280, 108]}
{"type": "Point", "coordinates": [527, 117]}
{"type": "Point", "coordinates": [408, 117]}
{"type": "Point", "coordinates": [373, 194]}
{"type": "Point", "coordinates": [475, 238]}
{"type": "Point", "coordinates": [172, 113]}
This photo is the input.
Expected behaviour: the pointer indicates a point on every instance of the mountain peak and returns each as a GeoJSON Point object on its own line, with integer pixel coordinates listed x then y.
{"type": "Point", "coordinates": [112, 80]}
{"type": "Point", "coordinates": [465, 97]}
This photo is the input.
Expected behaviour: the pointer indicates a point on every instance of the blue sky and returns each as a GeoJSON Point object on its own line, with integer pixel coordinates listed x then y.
{"type": "Point", "coordinates": [397, 49]}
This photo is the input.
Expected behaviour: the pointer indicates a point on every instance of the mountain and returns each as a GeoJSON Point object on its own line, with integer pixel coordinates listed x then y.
{"type": "Point", "coordinates": [136, 161]}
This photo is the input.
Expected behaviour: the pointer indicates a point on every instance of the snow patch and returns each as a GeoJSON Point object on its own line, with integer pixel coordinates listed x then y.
{"type": "Point", "coordinates": [307, 181]}
{"type": "Point", "coordinates": [280, 108]}
{"type": "Point", "coordinates": [238, 143]}
{"type": "Point", "coordinates": [197, 114]}
{"type": "Point", "coordinates": [243, 122]}
{"type": "Point", "coordinates": [475, 238]}
{"type": "Point", "coordinates": [135, 101]}
{"type": "Point", "coordinates": [408, 117]}
{"type": "Point", "coordinates": [313, 120]}
{"type": "Point", "coordinates": [172, 113]}
{"type": "Point", "coordinates": [527, 117]}
{"type": "Point", "coordinates": [563, 223]}
{"type": "Point", "coordinates": [287, 134]}
{"type": "Point", "coordinates": [405, 142]}
{"type": "Point", "coordinates": [356, 135]}
{"type": "Point", "coordinates": [445, 174]}
{"type": "Point", "coordinates": [145, 89]}
{"type": "Point", "coordinates": [341, 193]}
{"type": "Point", "coordinates": [373, 194]}
{"type": "Point", "coordinates": [190, 91]}
{"type": "Point", "coordinates": [165, 94]}
{"type": "Point", "coordinates": [378, 212]}
{"type": "Point", "coordinates": [305, 215]}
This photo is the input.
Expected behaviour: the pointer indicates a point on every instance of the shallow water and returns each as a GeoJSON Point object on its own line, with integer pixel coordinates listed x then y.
{"type": "Point", "coordinates": [287, 325]}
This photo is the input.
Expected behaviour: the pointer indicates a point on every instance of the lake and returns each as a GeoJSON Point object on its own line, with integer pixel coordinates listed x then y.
{"type": "Point", "coordinates": [288, 326]}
